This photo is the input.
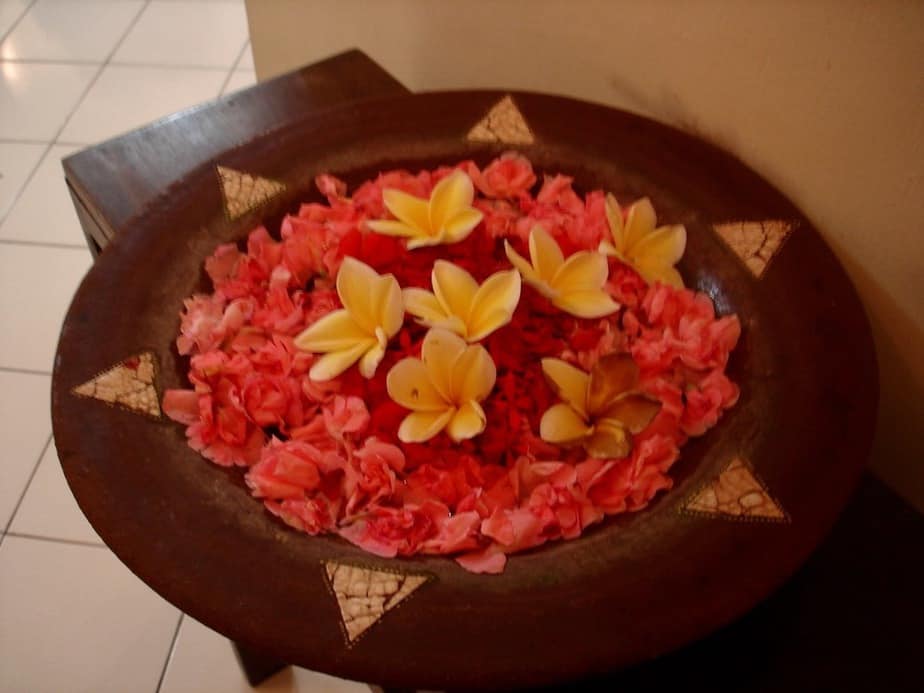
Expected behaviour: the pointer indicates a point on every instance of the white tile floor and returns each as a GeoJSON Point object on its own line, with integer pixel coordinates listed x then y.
{"type": "Point", "coordinates": [74, 72]}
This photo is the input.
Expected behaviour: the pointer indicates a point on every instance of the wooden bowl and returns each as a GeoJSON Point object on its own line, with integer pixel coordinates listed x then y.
{"type": "Point", "coordinates": [751, 499]}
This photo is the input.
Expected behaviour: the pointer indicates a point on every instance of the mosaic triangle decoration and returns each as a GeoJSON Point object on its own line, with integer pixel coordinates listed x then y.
{"type": "Point", "coordinates": [755, 242]}
{"type": "Point", "coordinates": [129, 385]}
{"type": "Point", "coordinates": [504, 123]}
{"type": "Point", "coordinates": [243, 192]}
{"type": "Point", "coordinates": [737, 493]}
{"type": "Point", "coordinates": [365, 595]}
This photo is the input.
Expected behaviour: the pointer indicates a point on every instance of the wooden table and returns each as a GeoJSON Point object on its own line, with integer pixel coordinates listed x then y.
{"type": "Point", "coordinates": [849, 619]}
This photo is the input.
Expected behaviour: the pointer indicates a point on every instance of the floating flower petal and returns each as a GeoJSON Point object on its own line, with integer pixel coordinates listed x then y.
{"type": "Point", "coordinates": [447, 217]}
{"type": "Point", "coordinates": [599, 410]}
{"type": "Point", "coordinates": [562, 425]}
{"type": "Point", "coordinates": [443, 389]}
{"type": "Point", "coordinates": [575, 285]}
{"type": "Point", "coordinates": [653, 252]}
{"type": "Point", "coordinates": [372, 313]}
{"type": "Point", "coordinates": [460, 305]}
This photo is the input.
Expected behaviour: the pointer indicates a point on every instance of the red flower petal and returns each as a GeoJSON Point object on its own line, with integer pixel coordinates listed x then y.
{"type": "Point", "coordinates": [325, 456]}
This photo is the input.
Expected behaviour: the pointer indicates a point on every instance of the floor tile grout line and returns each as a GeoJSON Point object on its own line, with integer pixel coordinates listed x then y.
{"type": "Point", "coordinates": [48, 147]}
{"type": "Point", "coordinates": [99, 72]}
{"type": "Point", "coordinates": [57, 540]}
{"type": "Point", "coordinates": [128, 30]}
{"type": "Point", "coordinates": [168, 66]}
{"type": "Point", "coordinates": [77, 103]}
{"type": "Point", "coordinates": [25, 183]}
{"type": "Point", "coordinates": [102, 66]}
{"type": "Point", "coordinates": [42, 244]}
{"type": "Point", "coordinates": [18, 20]}
{"type": "Point", "coordinates": [176, 635]}
{"type": "Point", "coordinates": [240, 54]}
{"type": "Point", "coordinates": [25, 371]}
{"type": "Point", "coordinates": [6, 529]}
{"type": "Point", "coordinates": [49, 61]}
{"type": "Point", "coordinates": [13, 140]}
{"type": "Point", "coordinates": [116, 63]}
{"type": "Point", "coordinates": [73, 110]}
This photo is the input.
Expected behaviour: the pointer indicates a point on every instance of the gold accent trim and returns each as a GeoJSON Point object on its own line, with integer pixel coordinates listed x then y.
{"type": "Point", "coordinates": [130, 384]}
{"type": "Point", "coordinates": [364, 595]}
{"type": "Point", "coordinates": [737, 493]}
{"type": "Point", "coordinates": [504, 123]}
{"type": "Point", "coordinates": [756, 243]}
{"type": "Point", "coordinates": [243, 192]}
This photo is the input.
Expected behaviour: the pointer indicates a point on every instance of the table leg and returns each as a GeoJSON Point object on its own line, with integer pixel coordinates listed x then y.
{"type": "Point", "coordinates": [94, 235]}
{"type": "Point", "coordinates": [257, 668]}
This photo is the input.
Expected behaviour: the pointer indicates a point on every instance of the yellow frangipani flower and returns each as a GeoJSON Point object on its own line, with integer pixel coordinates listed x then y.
{"type": "Point", "coordinates": [460, 305]}
{"type": "Point", "coordinates": [653, 252]}
{"type": "Point", "coordinates": [575, 285]}
{"type": "Point", "coordinates": [599, 410]}
{"type": "Point", "coordinates": [447, 217]}
{"type": "Point", "coordinates": [372, 313]}
{"type": "Point", "coordinates": [443, 389]}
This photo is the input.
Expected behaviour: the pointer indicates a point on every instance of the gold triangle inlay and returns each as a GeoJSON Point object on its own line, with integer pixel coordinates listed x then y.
{"type": "Point", "coordinates": [128, 384]}
{"type": "Point", "coordinates": [365, 595]}
{"type": "Point", "coordinates": [736, 493]}
{"type": "Point", "coordinates": [243, 192]}
{"type": "Point", "coordinates": [755, 242]}
{"type": "Point", "coordinates": [504, 123]}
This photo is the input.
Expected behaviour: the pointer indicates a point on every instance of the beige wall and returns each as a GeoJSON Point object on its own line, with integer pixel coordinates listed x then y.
{"type": "Point", "coordinates": [824, 98]}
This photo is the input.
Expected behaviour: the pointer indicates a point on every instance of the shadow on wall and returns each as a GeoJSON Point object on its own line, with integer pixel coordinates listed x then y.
{"type": "Point", "coordinates": [898, 449]}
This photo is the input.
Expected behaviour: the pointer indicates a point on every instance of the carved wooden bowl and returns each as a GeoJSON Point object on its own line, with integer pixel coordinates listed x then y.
{"type": "Point", "coordinates": [751, 499]}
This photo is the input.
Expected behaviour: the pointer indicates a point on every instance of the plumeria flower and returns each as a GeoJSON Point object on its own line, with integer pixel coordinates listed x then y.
{"type": "Point", "coordinates": [443, 389]}
{"type": "Point", "coordinates": [447, 217]}
{"type": "Point", "coordinates": [600, 410]}
{"type": "Point", "coordinates": [372, 313]}
{"type": "Point", "coordinates": [460, 305]}
{"type": "Point", "coordinates": [653, 252]}
{"type": "Point", "coordinates": [575, 285]}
